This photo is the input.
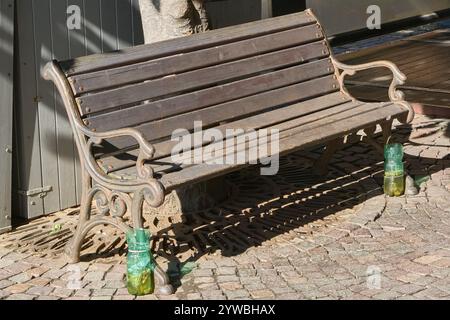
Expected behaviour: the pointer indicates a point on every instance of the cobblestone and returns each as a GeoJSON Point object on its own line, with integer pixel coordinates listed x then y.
{"type": "Point", "coordinates": [127, 297]}
{"type": "Point", "coordinates": [20, 278]}
{"type": "Point", "coordinates": [103, 292]}
{"type": "Point", "coordinates": [226, 271]}
{"type": "Point", "coordinates": [39, 282]}
{"type": "Point", "coordinates": [193, 296]}
{"type": "Point", "coordinates": [262, 294]}
{"type": "Point", "coordinates": [55, 273]}
{"type": "Point", "coordinates": [47, 298]}
{"type": "Point", "coordinates": [101, 298]}
{"type": "Point", "coordinates": [5, 284]}
{"type": "Point", "coordinates": [83, 293]}
{"type": "Point", "coordinates": [40, 291]}
{"type": "Point", "coordinates": [18, 288]}
{"type": "Point", "coordinates": [94, 276]}
{"type": "Point", "coordinates": [37, 272]}
{"type": "Point", "coordinates": [203, 280]}
{"type": "Point", "coordinates": [62, 292]}
{"type": "Point", "coordinates": [20, 296]}
{"type": "Point", "coordinates": [114, 276]}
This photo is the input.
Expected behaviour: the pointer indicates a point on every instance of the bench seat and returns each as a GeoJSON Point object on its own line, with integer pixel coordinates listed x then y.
{"type": "Point", "coordinates": [297, 131]}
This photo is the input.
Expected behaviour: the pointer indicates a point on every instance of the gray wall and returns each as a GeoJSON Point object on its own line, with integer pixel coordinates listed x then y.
{"type": "Point", "coordinates": [6, 109]}
{"type": "Point", "coordinates": [354, 17]}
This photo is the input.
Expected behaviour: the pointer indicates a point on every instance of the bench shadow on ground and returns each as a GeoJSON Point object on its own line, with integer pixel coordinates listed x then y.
{"type": "Point", "coordinates": [293, 203]}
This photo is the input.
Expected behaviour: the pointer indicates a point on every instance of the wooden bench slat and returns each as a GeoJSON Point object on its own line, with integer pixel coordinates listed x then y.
{"type": "Point", "coordinates": [316, 106]}
{"type": "Point", "coordinates": [197, 79]}
{"type": "Point", "coordinates": [185, 44]}
{"type": "Point", "coordinates": [291, 141]}
{"type": "Point", "coordinates": [206, 99]}
{"type": "Point", "coordinates": [153, 69]}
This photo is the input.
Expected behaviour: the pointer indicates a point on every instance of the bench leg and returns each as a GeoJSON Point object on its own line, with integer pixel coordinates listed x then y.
{"type": "Point", "coordinates": [321, 165]}
{"type": "Point", "coordinates": [162, 282]}
{"type": "Point", "coordinates": [107, 213]}
{"type": "Point", "coordinates": [73, 247]}
{"type": "Point", "coordinates": [87, 223]}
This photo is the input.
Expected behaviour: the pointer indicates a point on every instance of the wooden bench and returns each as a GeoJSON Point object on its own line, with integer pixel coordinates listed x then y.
{"type": "Point", "coordinates": [277, 73]}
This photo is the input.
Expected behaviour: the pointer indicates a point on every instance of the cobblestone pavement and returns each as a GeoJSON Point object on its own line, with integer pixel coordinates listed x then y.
{"type": "Point", "coordinates": [389, 248]}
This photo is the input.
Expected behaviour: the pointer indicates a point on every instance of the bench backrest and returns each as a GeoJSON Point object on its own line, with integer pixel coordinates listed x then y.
{"type": "Point", "coordinates": [216, 76]}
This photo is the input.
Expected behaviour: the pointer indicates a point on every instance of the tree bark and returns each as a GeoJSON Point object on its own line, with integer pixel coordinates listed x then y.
{"type": "Point", "coordinates": [166, 19]}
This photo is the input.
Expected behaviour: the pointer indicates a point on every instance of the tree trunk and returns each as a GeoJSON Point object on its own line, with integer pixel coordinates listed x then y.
{"type": "Point", "coordinates": [166, 19]}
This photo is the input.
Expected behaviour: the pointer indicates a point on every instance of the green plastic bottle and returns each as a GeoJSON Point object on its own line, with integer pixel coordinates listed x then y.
{"type": "Point", "coordinates": [140, 263]}
{"type": "Point", "coordinates": [394, 171]}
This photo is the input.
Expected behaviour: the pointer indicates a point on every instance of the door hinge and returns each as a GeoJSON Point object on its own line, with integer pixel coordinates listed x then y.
{"type": "Point", "coordinates": [38, 192]}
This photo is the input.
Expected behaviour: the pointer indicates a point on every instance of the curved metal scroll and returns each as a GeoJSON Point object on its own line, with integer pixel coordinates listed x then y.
{"type": "Point", "coordinates": [395, 95]}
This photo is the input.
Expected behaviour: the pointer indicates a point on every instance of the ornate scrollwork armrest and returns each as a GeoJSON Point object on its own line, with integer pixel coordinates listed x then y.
{"type": "Point", "coordinates": [146, 150]}
{"type": "Point", "coordinates": [396, 96]}
{"type": "Point", "coordinates": [145, 186]}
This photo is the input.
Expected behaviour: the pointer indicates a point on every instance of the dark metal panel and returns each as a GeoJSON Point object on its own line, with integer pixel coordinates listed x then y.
{"type": "Point", "coordinates": [6, 109]}
{"type": "Point", "coordinates": [232, 12]}
{"type": "Point", "coordinates": [340, 16]}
